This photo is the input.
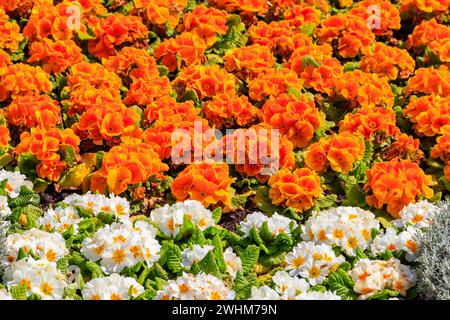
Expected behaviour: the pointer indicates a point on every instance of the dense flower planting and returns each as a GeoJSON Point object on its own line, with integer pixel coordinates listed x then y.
{"type": "Point", "coordinates": [221, 149]}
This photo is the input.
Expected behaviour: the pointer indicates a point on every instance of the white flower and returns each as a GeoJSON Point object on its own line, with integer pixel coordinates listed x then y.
{"type": "Point", "coordinates": [15, 181]}
{"type": "Point", "coordinates": [279, 224]}
{"type": "Point", "coordinates": [371, 276]}
{"type": "Point", "coordinates": [170, 218]}
{"type": "Point", "coordinates": [60, 219]}
{"type": "Point", "coordinates": [113, 287]}
{"type": "Point", "coordinates": [121, 245]}
{"type": "Point", "coordinates": [253, 220]}
{"type": "Point", "coordinates": [5, 211]}
{"type": "Point", "coordinates": [312, 261]}
{"type": "Point", "coordinates": [194, 255]}
{"type": "Point", "coordinates": [43, 245]}
{"type": "Point", "coordinates": [232, 261]}
{"type": "Point", "coordinates": [409, 243]}
{"type": "Point", "coordinates": [347, 227]}
{"type": "Point", "coordinates": [417, 214]}
{"type": "Point", "coordinates": [264, 293]}
{"type": "Point", "coordinates": [39, 276]}
{"type": "Point", "coordinates": [96, 203]}
{"type": "Point", "coordinates": [389, 241]}
{"type": "Point", "coordinates": [195, 287]}
{"type": "Point", "coordinates": [287, 286]}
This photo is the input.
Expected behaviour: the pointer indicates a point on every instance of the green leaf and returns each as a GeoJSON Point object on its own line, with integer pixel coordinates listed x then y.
{"type": "Point", "coordinates": [238, 201]}
{"type": "Point", "coordinates": [355, 196]}
{"type": "Point", "coordinates": [234, 38]}
{"type": "Point", "coordinates": [27, 163]}
{"type": "Point", "coordinates": [341, 282]}
{"type": "Point", "coordinates": [249, 258]}
{"type": "Point", "coordinates": [84, 36]}
{"type": "Point", "coordinates": [217, 214]}
{"type": "Point", "coordinates": [96, 271]}
{"type": "Point", "coordinates": [209, 265]}
{"type": "Point", "coordinates": [19, 292]}
{"type": "Point", "coordinates": [278, 258]}
{"type": "Point", "coordinates": [326, 202]}
{"type": "Point", "coordinates": [5, 159]}
{"type": "Point", "coordinates": [71, 293]}
{"type": "Point", "coordinates": [174, 259]}
{"type": "Point", "coordinates": [218, 253]}
{"type": "Point", "coordinates": [384, 295]}
{"type": "Point", "coordinates": [187, 229]}
{"type": "Point", "coordinates": [310, 61]}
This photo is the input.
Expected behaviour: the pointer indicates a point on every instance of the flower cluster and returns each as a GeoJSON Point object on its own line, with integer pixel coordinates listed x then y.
{"type": "Point", "coordinates": [297, 189]}
{"type": "Point", "coordinates": [121, 245]}
{"type": "Point", "coordinates": [339, 152]}
{"type": "Point", "coordinates": [347, 227]}
{"type": "Point", "coordinates": [396, 183]}
{"type": "Point", "coordinates": [113, 287]}
{"type": "Point", "coordinates": [371, 276]}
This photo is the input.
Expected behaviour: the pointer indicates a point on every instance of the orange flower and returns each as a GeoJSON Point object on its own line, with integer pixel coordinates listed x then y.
{"type": "Point", "coordinates": [430, 114]}
{"type": "Point", "coordinates": [297, 189]}
{"type": "Point", "coordinates": [351, 32]}
{"type": "Point", "coordinates": [302, 14]}
{"type": "Point", "coordinates": [113, 31]}
{"type": "Point", "coordinates": [207, 182]}
{"type": "Point", "coordinates": [206, 81]}
{"type": "Point", "coordinates": [125, 165]}
{"type": "Point", "coordinates": [5, 136]}
{"type": "Point", "coordinates": [315, 65]}
{"type": "Point", "coordinates": [368, 121]}
{"type": "Point", "coordinates": [206, 22]}
{"type": "Point", "coordinates": [447, 171]}
{"type": "Point", "coordinates": [5, 61]}
{"type": "Point", "coordinates": [404, 147]}
{"type": "Point", "coordinates": [429, 81]}
{"type": "Point", "coordinates": [442, 148]}
{"type": "Point", "coordinates": [389, 16]}
{"type": "Point", "coordinates": [388, 61]}
{"type": "Point", "coordinates": [147, 88]}
{"type": "Point", "coordinates": [185, 49]}
{"type": "Point", "coordinates": [21, 79]}
{"type": "Point", "coordinates": [258, 151]}
{"type": "Point", "coordinates": [340, 152]}
{"type": "Point", "coordinates": [168, 109]}
{"type": "Point", "coordinates": [277, 35]}
{"type": "Point", "coordinates": [426, 6]}
{"type": "Point", "coordinates": [254, 6]}
{"type": "Point", "coordinates": [248, 62]}
{"type": "Point", "coordinates": [273, 82]}
{"type": "Point", "coordinates": [10, 35]}
{"type": "Point", "coordinates": [34, 111]}
{"type": "Point", "coordinates": [160, 12]}
{"type": "Point", "coordinates": [51, 169]}
{"type": "Point", "coordinates": [364, 89]}
{"type": "Point", "coordinates": [131, 62]}
{"type": "Point", "coordinates": [396, 183]}
{"type": "Point", "coordinates": [296, 117]}
{"type": "Point", "coordinates": [55, 56]}
{"type": "Point", "coordinates": [316, 155]}
{"type": "Point", "coordinates": [230, 110]}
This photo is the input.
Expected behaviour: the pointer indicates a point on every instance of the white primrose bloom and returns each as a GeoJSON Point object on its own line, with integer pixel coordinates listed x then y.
{"type": "Point", "coordinates": [113, 287]}
{"type": "Point", "coordinates": [42, 245]}
{"type": "Point", "coordinates": [60, 219]}
{"type": "Point", "coordinates": [417, 214]}
{"type": "Point", "coordinates": [96, 203]}
{"type": "Point", "coordinates": [312, 261]}
{"type": "Point", "coordinates": [194, 255]}
{"type": "Point", "coordinates": [121, 245]}
{"type": "Point", "coordinates": [347, 227]}
{"type": "Point", "coordinates": [255, 220]}
{"type": "Point", "coordinates": [388, 241]}
{"type": "Point", "coordinates": [5, 295]}
{"type": "Point", "coordinates": [170, 217]}
{"type": "Point", "coordinates": [232, 261]}
{"type": "Point", "coordinates": [264, 293]}
{"type": "Point", "coordinates": [287, 286]}
{"type": "Point", "coordinates": [279, 224]}
{"type": "Point", "coordinates": [406, 240]}
{"type": "Point", "coordinates": [39, 276]}
{"type": "Point", "coordinates": [5, 211]}
{"type": "Point", "coordinates": [195, 287]}
{"type": "Point", "coordinates": [371, 276]}
{"type": "Point", "coordinates": [15, 182]}
{"type": "Point", "coordinates": [316, 295]}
